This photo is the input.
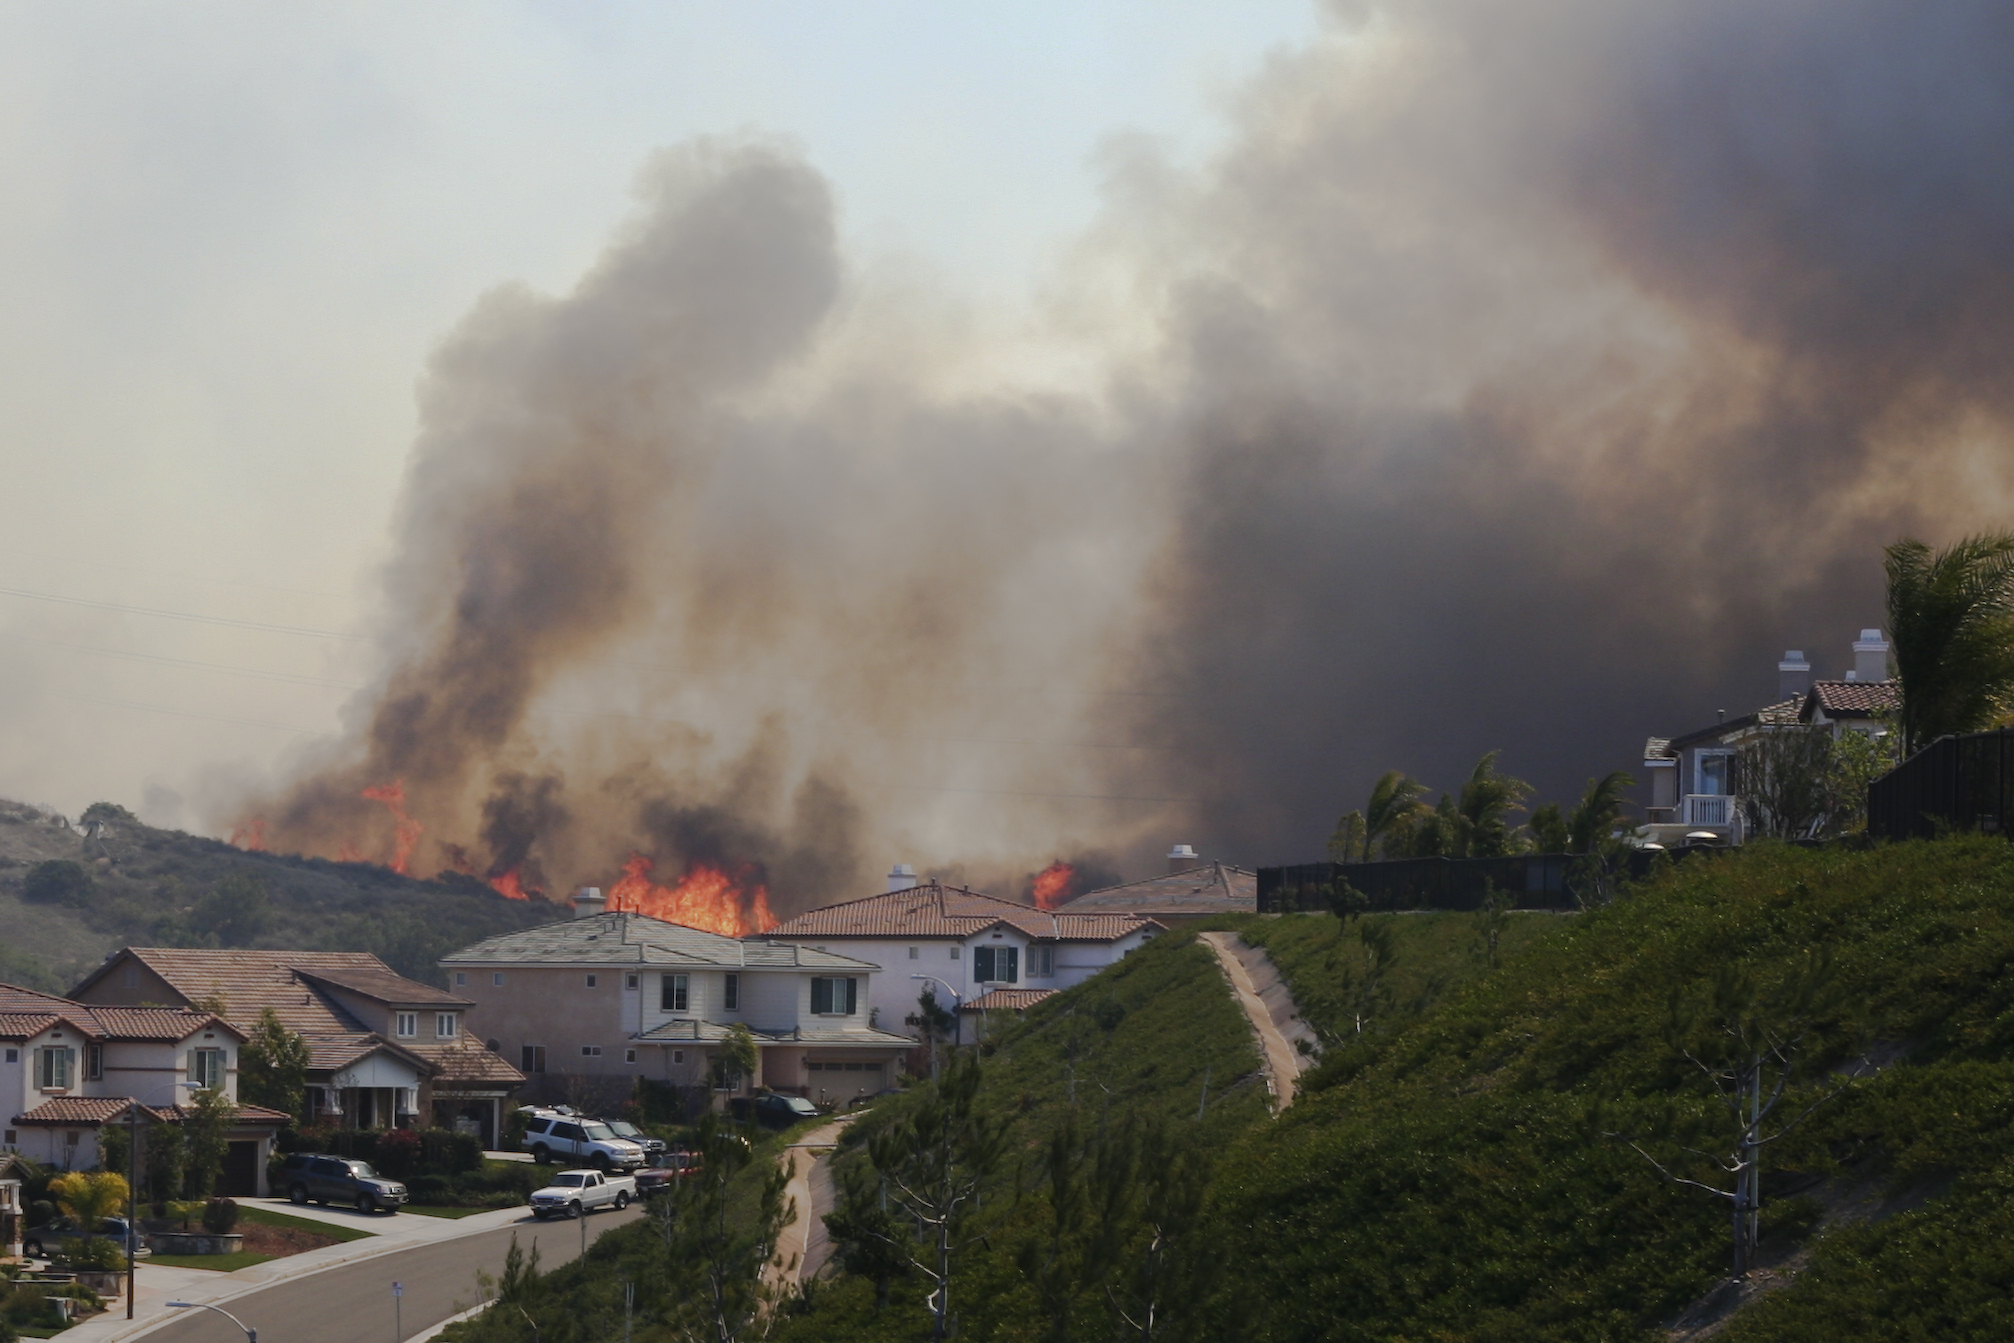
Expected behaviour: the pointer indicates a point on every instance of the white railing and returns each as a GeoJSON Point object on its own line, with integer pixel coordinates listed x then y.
{"type": "Point", "coordinates": [1713, 809]}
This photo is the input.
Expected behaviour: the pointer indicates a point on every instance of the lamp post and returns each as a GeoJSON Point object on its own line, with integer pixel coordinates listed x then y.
{"type": "Point", "coordinates": [251, 1334]}
{"type": "Point", "coordinates": [957, 1019]}
{"type": "Point", "coordinates": [133, 1196]}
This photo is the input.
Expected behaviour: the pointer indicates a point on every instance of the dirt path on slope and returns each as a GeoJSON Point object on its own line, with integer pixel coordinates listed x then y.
{"type": "Point", "coordinates": [1259, 989]}
{"type": "Point", "coordinates": [803, 1246]}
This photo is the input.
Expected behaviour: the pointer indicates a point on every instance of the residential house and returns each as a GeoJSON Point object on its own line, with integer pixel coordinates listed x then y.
{"type": "Point", "coordinates": [590, 1005]}
{"type": "Point", "coordinates": [384, 1051]}
{"type": "Point", "coordinates": [68, 1068]}
{"type": "Point", "coordinates": [1191, 888]}
{"type": "Point", "coordinates": [1688, 784]}
{"type": "Point", "coordinates": [962, 944]}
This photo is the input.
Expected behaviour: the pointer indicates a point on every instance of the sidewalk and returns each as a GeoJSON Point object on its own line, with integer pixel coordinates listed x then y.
{"type": "Point", "coordinates": [390, 1234]}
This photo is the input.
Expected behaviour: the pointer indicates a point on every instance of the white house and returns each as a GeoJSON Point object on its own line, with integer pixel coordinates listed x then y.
{"type": "Point", "coordinates": [68, 1068]}
{"type": "Point", "coordinates": [589, 1004]}
{"type": "Point", "coordinates": [962, 944]}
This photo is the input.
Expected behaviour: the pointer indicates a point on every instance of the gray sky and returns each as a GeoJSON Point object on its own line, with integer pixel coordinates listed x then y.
{"type": "Point", "coordinates": [233, 234]}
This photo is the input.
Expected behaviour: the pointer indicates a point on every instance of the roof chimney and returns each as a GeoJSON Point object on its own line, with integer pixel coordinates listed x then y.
{"type": "Point", "coordinates": [901, 877]}
{"type": "Point", "coordinates": [1870, 657]}
{"type": "Point", "coordinates": [1793, 675]}
{"type": "Point", "coordinates": [1182, 858]}
{"type": "Point", "coordinates": [588, 902]}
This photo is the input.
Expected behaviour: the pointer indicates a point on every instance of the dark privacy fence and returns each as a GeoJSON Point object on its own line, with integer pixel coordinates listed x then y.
{"type": "Point", "coordinates": [1532, 881]}
{"type": "Point", "coordinates": [1955, 783]}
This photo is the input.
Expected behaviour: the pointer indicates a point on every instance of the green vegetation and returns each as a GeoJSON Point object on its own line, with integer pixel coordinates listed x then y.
{"type": "Point", "coordinates": [273, 1066]}
{"type": "Point", "coordinates": [218, 1263]}
{"type": "Point", "coordinates": [430, 1210]}
{"type": "Point", "coordinates": [1951, 616]}
{"type": "Point", "coordinates": [1475, 822]}
{"type": "Point", "coordinates": [248, 1212]}
{"type": "Point", "coordinates": [68, 898]}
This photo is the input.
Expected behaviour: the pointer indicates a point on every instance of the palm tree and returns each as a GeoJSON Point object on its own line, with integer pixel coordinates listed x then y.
{"type": "Point", "coordinates": [1951, 619]}
{"type": "Point", "coordinates": [1394, 800]}
{"type": "Point", "coordinates": [1486, 799]}
{"type": "Point", "coordinates": [1594, 820]}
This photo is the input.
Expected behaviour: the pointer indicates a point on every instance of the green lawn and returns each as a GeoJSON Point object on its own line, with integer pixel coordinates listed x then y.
{"type": "Point", "coordinates": [267, 1217]}
{"type": "Point", "coordinates": [221, 1263]}
{"type": "Point", "coordinates": [427, 1211]}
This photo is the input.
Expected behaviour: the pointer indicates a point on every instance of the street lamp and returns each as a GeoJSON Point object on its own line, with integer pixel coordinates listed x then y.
{"type": "Point", "coordinates": [251, 1334]}
{"type": "Point", "coordinates": [133, 1194]}
{"type": "Point", "coordinates": [957, 1019]}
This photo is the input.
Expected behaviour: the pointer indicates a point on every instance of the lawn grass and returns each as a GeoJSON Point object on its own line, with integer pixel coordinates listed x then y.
{"type": "Point", "coordinates": [334, 1230]}
{"type": "Point", "coordinates": [221, 1263]}
{"type": "Point", "coordinates": [428, 1210]}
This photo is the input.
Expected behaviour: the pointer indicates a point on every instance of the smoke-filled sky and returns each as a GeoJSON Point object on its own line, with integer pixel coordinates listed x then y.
{"type": "Point", "coordinates": [968, 441]}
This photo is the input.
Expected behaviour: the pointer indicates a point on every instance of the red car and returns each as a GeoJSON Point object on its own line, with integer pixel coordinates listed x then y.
{"type": "Point", "coordinates": [657, 1177]}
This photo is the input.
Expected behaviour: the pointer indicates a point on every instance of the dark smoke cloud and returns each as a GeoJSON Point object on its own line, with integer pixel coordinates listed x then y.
{"type": "Point", "coordinates": [1522, 377]}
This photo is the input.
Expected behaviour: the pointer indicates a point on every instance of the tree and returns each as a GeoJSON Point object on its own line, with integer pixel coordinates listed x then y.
{"type": "Point", "coordinates": [90, 1196]}
{"type": "Point", "coordinates": [1485, 804]}
{"type": "Point", "coordinates": [1951, 622]}
{"type": "Point", "coordinates": [737, 1058]}
{"type": "Point", "coordinates": [1394, 800]}
{"type": "Point", "coordinates": [1783, 778]}
{"type": "Point", "coordinates": [1599, 811]}
{"type": "Point", "coordinates": [166, 1158]}
{"type": "Point", "coordinates": [935, 1158]}
{"type": "Point", "coordinates": [717, 1248]}
{"type": "Point", "coordinates": [934, 1020]}
{"type": "Point", "coordinates": [206, 1127]}
{"type": "Point", "coordinates": [234, 912]}
{"type": "Point", "coordinates": [58, 882]}
{"type": "Point", "coordinates": [273, 1066]}
{"type": "Point", "coordinates": [1148, 1188]}
{"type": "Point", "coordinates": [1549, 830]}
{"type": "Point", "coordinates": [1347, 840]}
{"type": "Point", "coordinates": [108, 813]}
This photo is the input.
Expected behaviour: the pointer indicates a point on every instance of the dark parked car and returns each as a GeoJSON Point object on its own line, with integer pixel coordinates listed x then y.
{"type": "Point", "coordinates": [309, 1177]}
{"type": "Point", "coordinates": [57, 1236]}
{"type": "Point", "coordinates": [652, 1147]}
{"type": "Point", "coordinates": [772, 1110]}
{"type": "Point", "coordinates": [664, 1169]}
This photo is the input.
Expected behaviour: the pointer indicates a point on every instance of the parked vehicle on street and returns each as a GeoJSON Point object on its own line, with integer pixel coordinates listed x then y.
{"type": "Point", "coordinates": [772, 1109]}
{"type": "Point", "coordinates": [622, 1128]}
{"type": "Point", "coordinates": [56, 1236]}
{"type": "Point", "coordinates": [576, 1193]}
{"type": "Point", "coordinates": [312, 1177]}
{"type": "Point", "coordinates": [665, 1170]}
{"type": "Point", "coordinates": [578, 1141]}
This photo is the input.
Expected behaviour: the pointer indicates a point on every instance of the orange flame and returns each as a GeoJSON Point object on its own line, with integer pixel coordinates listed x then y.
{"type": "Point", "coordinates": [393, 795]}
{"type": "Point", "coordinates": [507, 886]}
{"type": "Point", "coordinates": [250, 836]}
{"type": "Point", "coordinates": [707, 897]}
{"type": "Point", "coordinates": [1053, 884]}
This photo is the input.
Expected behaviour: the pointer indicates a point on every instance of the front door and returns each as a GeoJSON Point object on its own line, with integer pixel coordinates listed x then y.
{"type": "Point", "coordinates": [240, 1176]}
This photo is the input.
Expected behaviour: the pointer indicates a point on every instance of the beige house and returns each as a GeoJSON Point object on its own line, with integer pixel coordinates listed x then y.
{"type": "Point", "coordinates": [384, 1051]}
{"type": "Point", "coordinates": [68, 1068]}
{"type": "Point", "coordinates": [588, 1006]}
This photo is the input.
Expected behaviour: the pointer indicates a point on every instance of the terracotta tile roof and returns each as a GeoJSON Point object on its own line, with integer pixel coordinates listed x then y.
{"type": "Point", "coordinates": [85, 1110]}
{"type": "Point", "coordinates": [693, 1031]}
{"type": "Point", "coordinates": [934, 910]}
{"type": "Point", "coordinates": [637, 939]}
{"type": "Point", "coordinates": [1770, 715]}
{"type": "Point", "coordinates": [156, 1023]}
{"type": "Point", "coordinates": [382, 983]}
{"type": "Point", "coordinates": [468, 1064]}
{"type": "Point", "coordinates": [1007, 1000]}
{"type": "Point", "coordinates": [24, 1012]}
{"type": "Point", "coordinates": [247, 1114]}
{"type": "Point", "coordinates": [25, 1025]}
{"type": "Point", "coordinates": [1657, 748]}
{"type": "Point", "coordinates": [1213, 888]}
{"type": "Point", "coordinates": [1854, 699]}
{"type": "Point", "coordinates": [14, 998]}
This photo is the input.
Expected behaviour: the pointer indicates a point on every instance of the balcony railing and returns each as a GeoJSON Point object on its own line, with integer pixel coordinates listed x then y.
{"type": "Point", "coordinates": [1707, 809]}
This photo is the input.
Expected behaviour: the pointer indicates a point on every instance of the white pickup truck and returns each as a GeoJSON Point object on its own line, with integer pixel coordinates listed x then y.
{"type": "Point", "coordinates": [575, 1193]}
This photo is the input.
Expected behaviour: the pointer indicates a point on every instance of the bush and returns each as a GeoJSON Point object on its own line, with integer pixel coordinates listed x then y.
{"type": "Point", "coordinates": [399, 1153]}
{"type": "Point", "coordinates": [220, 1216]}
{"type": "Point", "coordinates": [429, 1188]}
{"type": "Point", "coordinates": [95, 1254]}
{"type": "Point", "coordinates": [58, 882]}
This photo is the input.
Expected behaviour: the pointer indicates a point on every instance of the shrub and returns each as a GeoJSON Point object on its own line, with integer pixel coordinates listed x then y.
{"type": "Point", "coordinates": [58, 882]}
{"type": "Point", "coordinates": [95, 1254]}
{"type": "Point", "coordinates": [399, 1153]}
{"type": "Point", "coordinates": [220, 1216]}
{"type": "Point", "coordinates": [429, 1188]}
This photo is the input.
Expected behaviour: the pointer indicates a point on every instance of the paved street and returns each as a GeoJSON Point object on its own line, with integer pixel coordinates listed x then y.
{"type": "Point", "coordinates": [352, 1302]}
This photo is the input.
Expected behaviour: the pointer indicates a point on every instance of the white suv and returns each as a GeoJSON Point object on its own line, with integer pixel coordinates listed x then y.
{"type": "Point", "coordinates": [577, 1141]}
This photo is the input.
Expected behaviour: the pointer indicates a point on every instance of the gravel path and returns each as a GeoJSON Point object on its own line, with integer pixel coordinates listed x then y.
{"type": "Point", "coordinates": [1256, 983]}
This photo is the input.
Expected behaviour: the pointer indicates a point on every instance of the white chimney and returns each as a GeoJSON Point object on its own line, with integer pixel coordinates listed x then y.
{"type": "Point", "coordinates": [901, 877]}
{"type": "Point", "coordinates": [1182, 858]}
{"type": "Point", "coordinates": [588, 902]}
{"type": "Point", "coordinates": [1870, 657]}
{"type": "Point", "coordinates": [1793, 675]}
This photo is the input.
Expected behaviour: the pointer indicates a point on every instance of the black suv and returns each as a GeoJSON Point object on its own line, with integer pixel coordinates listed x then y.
{"type": "Point", "coordinates": [311, 1177]}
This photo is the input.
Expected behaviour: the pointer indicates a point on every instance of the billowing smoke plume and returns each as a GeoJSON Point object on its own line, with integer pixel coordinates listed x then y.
{"type": "Point", "coordinates": [1521, 377]}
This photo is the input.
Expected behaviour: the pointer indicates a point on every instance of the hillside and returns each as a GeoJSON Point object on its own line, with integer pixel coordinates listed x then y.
{"type": "Point", "coordinates": [166, 888]}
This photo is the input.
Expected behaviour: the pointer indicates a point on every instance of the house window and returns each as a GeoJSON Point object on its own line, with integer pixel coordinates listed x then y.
{"type": "Point", "coordinates": [1712, 773]}
{"type": "Point", "coordinates": [532, 1059]}
{"type": "Point", "coordinates": [629, 1056]}
{"type": "Point", "coordinates": [446, 1025]}
{"type": "Point", "coordinates": [12, 1136]}
{"type": "Point", "coordinates": [13, 1056]}
{"type": "Point", "coordinates": [590, 1051]}
{"type": "Point", "coordinates": [52, 1069]}
{"type": "Point", "coordinates": [206, 1068]}
{"type": "Point", "coordinates": [409, 1025]}
{"type": "Point", "coordinates": [673, 993]}
{"type": "Point", "coordinates": [730, 997]}
{"type": "Point", "coordinates": [94, 1063]}
{"type": "Point", "coordinates": [630, 981]}
{"type": "Point", "coordinates": [497, 978]}
{"type": "Point", "coordinates": [591, 981]}
{"type": "Point", "coordinates": [678, 1056]}
{"type": "Point", "coordinates": [996, 965]}
{"type": "Point", "coordinates": [834, 997]}
{"type": "Point", "coordinates": [132, 976]}
{"type": "Point", "coordinates": [461, 978]}
{"type": "Point", "coordinates": [954, 952]}
{"type": "Point", "coordinates": [1041, 962]}
{"type": "Point", "coordinates": [915, 952]}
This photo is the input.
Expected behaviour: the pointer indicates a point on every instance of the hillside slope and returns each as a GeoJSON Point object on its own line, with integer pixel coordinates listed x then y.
{"type": "Point", "coordinates": [163, 887]}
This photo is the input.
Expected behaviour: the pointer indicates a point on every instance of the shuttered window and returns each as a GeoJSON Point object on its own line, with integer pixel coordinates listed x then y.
{"type": "Point", "coordinates": [834, 997]}
{"type": "Point", "coordinates": [53, 1067]}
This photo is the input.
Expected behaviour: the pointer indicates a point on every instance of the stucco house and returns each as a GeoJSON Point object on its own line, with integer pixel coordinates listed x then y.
{"type": "Point", "coordinates": [1192, 888]}
{"type": "Point", "coordinates": [68, 1068]}
{"type": "Point", "coordinates": [589, 1005]}
{"type": "Point", "coordinates": [384, 1051]}
{"type": "Point", "coordinates": [962, 944]}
